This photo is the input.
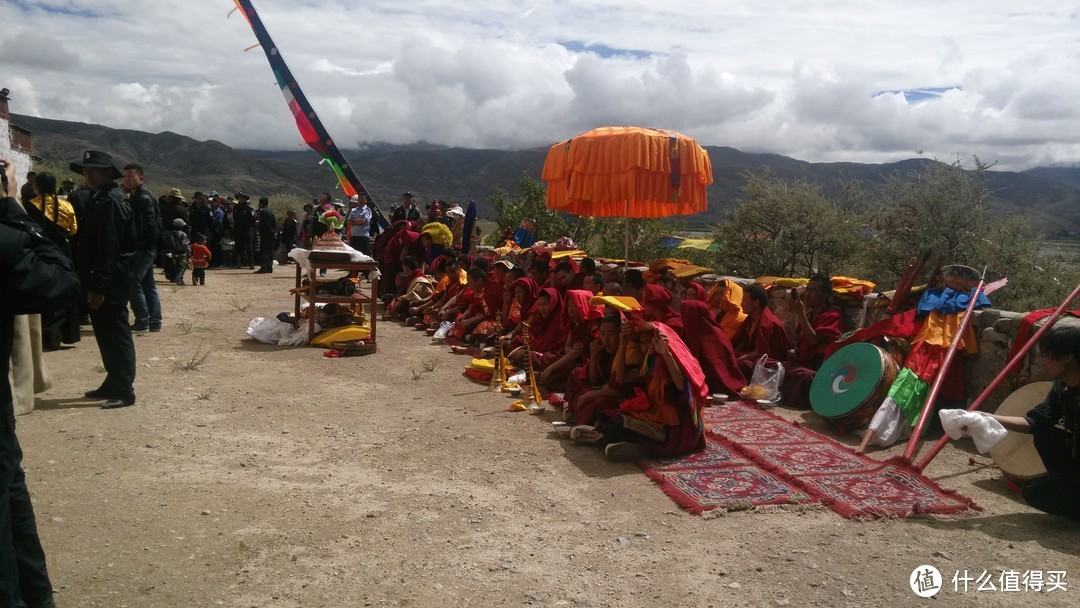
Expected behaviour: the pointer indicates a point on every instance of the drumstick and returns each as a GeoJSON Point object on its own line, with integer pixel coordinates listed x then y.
{"type": "Point", "coordinates": [1003, 374]}
{"type": "Point", "coordinates": [939, 380]}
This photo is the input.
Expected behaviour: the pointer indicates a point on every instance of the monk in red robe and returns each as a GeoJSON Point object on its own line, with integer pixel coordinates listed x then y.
{"type": "Point", "coordinates": [582, 322]}
{"type": "Point", "coordinates": [707, 342]}
{"type": "Point", "coordinates": [762, 333]}
{"type": "Point", "coordinates": [820, 324]}
{"type": "Point", "coordinates": [656, 301]}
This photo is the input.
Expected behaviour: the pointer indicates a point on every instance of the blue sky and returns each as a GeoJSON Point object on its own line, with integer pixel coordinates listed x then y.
{"type": "Point", "coordinates": [820, 80]}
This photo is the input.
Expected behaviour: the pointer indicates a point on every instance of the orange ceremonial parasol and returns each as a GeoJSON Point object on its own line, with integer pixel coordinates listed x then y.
{"type": "Point", "coordinates": [627, 172]}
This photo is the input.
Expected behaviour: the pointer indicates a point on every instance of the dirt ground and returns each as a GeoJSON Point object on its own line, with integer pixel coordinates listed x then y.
{"type": "Point", "coordinates": [273, 476]}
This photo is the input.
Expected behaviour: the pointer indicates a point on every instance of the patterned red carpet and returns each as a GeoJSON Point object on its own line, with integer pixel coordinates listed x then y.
{"type": "Point", "coordinates": [755, 458]}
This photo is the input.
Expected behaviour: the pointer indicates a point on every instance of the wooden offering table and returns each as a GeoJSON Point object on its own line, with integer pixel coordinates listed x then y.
{"type": "Point", "coordinates": [368, 295]}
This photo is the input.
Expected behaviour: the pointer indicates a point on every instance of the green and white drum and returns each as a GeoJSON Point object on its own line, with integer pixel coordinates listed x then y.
{"type": "Point", "coordinates": [851, 384]}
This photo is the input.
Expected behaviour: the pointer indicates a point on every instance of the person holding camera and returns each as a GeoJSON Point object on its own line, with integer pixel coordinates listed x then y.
{"type": "Point", "coordinates": [35, 277]}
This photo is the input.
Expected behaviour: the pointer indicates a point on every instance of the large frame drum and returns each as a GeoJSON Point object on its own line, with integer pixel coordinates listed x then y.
{"type": "Point", "coordinates": [851, 384]}
{"type": "Point", "coordinates": [1016, 455]}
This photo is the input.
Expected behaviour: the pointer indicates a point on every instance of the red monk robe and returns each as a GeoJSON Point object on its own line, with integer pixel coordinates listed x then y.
{"type": "Point", "coordinates": [547, 333]}
{"type": "Point", "coordinates": [765, 336]}
{"type": "Point", "coordinates": [706, 340]}
{"type": "Point", "coordinates": [799, 374]}
{"type": "Point", "coordinates": [656, 301]}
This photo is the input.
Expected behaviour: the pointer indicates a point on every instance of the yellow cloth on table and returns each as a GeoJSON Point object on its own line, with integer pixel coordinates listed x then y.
{"type": "Point", "coordinates": [841, 286]}
{"type": "Point", "coordinates": [349, 333]}
{"type": "Point", "coordinates": [575, 253]}
{"type": "Point", "coordinates": [690, 271]}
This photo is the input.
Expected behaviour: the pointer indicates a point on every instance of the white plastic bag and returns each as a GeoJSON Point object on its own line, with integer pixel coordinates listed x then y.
{"type": "Point", "coordinates": [983, 430]}
{"type": "Point", "coordinates": [267, 331]}
{"type": "Point", "coordinates": [273, 331]}
{"type": "Point", "coordinates": [297, 336]}
{"type": "Point", "coordinates": [770, 375]}
{"type": "Point", "coordinates": [518, 378]}
{"type": "Point", "coordinates": [443, 331]}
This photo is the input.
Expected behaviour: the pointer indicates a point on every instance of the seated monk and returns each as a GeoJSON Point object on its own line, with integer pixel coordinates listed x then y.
{"type": "Point", "coordinates": [524, 292]}
{"type": "Point", "coordinates": [656, 301]}
{"type": "Point", "coordinates": [547, 332]}
{"type": "Point", "coordinates": [511, 277]}
{"type": "Point", "coordinates": [593, 283]}
{"type": "Point", "coordinates": [725, 299]}
{"type": "Point", "coordinates": [452, 282]}
{"type": "Point", "coordinates": [492, 303]}
{"type": "Point", "coordinates": [707, 342]}
{"type": "Point", "coordinates": [417, 287]}
{"type": "Point", "coordinates": [693, 291]}
{"type": "Point", "coordinates": [440, 281]}
{"type": "Point", "coordinates": [664, 418]}
{"type": "Point", "coordinates": [592, 388]}
{"type": "Point", "coordinates": [583, 321]}
{"type": "Point", "coordinates": [761, 334]}
{"type": "Point", "coordinates": [477, 311]}
{"type": "Point", "coordinates": [458, 295]}
{"type": "Point", "coordinates": [585, 268]}
{"type": "Point", "coordinates": [819, 324]}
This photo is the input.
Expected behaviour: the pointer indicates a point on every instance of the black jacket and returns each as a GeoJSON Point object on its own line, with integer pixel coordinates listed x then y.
{"type": "Point", "coordinates": [34, 278]}
{"type": "Point", "coordinates": [146, 217]}
{"type": "Point", "coordinates": [201, 219]}
{"type": "Point", "coordinates": [243, 219]}
{"type": "Point", "coordinates": [267, 227]}
{"type": "Point", "coordinates": [1061, 408]}
{"type": "Point", "coordinates": [106, 245]}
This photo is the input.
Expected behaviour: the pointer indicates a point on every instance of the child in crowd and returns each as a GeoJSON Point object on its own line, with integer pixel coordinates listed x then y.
{"type": "Point", "coordinates": [200, 259]}
{"type": "Point", "coordinates": [180, 249]}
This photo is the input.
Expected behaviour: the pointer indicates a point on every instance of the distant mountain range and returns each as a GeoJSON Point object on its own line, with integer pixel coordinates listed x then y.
{"type": "Point", "coordinates": [1049, 196]}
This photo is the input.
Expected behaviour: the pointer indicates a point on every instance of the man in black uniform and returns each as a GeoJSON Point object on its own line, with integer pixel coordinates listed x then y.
{"type": "Point", "coordinates": [106, 248]}
{"type": "Point", "coordinates": [145, 303]}
{"type": "Point", "coordinates": [243, 223]}
{"type": "Point", "coordinates": [267, 231]}
{"type": "Point", "coordinates": [1055, 426]}
{"type": "Point", "coordinates": [35, 277]}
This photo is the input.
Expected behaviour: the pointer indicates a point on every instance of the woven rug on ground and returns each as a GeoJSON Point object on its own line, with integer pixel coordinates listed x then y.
{"type": "Point", "coordinates": [720, 478]}
{"type": "Point", "coordinates": [851, 484]}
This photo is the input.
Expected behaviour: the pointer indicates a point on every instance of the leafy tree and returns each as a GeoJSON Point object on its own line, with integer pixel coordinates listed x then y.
{"type": "Point", "coordinates": [941, 209]}
{"type": "Point", "coordinates": [530, 201]}
{"type": "Point", "coordinates": [785, 229]}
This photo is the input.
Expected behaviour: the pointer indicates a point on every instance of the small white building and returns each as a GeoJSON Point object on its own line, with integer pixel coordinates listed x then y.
{"type": "Point", "coordinates": [15, 142]}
